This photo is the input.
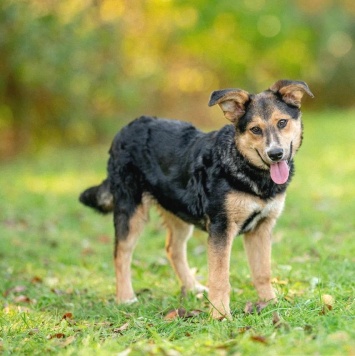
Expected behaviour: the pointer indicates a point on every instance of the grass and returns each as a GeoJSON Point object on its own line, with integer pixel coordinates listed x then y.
{"type": "Point", "coordinates": [57, 278]}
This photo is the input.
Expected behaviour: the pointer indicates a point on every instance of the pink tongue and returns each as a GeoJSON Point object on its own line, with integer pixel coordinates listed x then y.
{"type": "Point", "coordinates": [279, 172]}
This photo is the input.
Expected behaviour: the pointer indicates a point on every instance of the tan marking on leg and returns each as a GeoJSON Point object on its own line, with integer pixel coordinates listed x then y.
{"type": "Point", "coordinates": [123, 258]}
{"type": "Point", "coordinates": [258, 249]}
{"type": "Point", "coordinates": [218, 270]}
{"type": "Point", "coordinates": [176, 244]}
{"type": "Point", "coordinates": [257, 242]}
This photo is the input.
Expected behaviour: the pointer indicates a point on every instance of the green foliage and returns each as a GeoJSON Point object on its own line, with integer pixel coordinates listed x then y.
{"type": "Point", "coordinates": [71, 70]}
{"type": "Point", "coordinates": [57, 279]}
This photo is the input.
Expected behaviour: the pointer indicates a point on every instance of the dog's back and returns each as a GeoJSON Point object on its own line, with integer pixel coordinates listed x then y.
{"type": "Point", "coordinates": [168, 159]}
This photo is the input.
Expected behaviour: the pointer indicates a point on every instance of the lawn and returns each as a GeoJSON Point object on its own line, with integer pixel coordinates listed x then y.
{"type": "Point", "coordinates": [57, 278]}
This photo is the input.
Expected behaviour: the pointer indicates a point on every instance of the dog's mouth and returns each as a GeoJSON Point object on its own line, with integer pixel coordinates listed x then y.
{"type": "Point", "coordinates": [279, 172]}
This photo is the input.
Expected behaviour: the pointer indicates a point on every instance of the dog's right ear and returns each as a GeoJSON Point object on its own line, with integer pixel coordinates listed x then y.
{"type": "Point", "coordinates": [231, 101]}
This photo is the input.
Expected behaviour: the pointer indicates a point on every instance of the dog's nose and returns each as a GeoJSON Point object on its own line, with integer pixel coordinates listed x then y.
{"type": "Point", "coordinates": [275, 154]}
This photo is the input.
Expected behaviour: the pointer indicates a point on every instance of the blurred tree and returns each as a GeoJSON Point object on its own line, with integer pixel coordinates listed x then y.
{"type": "Point", "coordinates": [73, 71]}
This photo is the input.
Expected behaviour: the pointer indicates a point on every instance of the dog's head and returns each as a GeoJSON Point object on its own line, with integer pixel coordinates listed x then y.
{"type": "Point", "coordinates": [268, 124]}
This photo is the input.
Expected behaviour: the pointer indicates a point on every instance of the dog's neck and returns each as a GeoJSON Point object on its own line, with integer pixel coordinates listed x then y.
{"type": "Point", "coordinates": [243, 175]}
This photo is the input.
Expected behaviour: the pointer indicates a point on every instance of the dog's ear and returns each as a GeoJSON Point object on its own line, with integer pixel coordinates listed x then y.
{"type": "Point", "coordinates": [231, 101]}
{"type": "Point", "coordinates": [291, 91]}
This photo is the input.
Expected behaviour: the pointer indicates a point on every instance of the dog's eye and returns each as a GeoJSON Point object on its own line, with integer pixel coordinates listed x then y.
{"type": "Point", "coordinates": [256, 130]}
{"type": "Point", "coordinates": [282, 123]}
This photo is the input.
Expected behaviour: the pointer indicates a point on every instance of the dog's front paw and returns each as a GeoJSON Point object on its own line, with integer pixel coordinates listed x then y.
{"type": "Point", "coordinates": [127, 301]}
{"type": "Point", "coordinates": [197, 289]}
{"type": "Point", "coordinates": [219, 315]}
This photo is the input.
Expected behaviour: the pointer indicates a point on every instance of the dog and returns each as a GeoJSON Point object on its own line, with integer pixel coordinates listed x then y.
{"type": "Point", "coordinates": [227, 182]}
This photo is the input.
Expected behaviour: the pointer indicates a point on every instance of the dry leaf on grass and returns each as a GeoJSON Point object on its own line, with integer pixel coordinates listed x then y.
{"type": "Point", "coordinates": [16, 289]}
{"type": "Point", "coordinates": [56, 336]}
{"type": "Point", "coordinates": [22, 299]}
{"type": "Point", "coordinates": [33, 331]}
{"type": "Point", "coordinates": [122, 328]}
{"type": "Point", "coordinates": [259, 338]}
{"type": "Point", "coordinates": [67, 316]}
{"type": "Point", "coordinates": [36, 280]}
{"type": "Point", "coordinates": [244, 329]}
{"type": "Point", "coordinates": [328, 303]}
{"type": "Point", "coordinates": [276, 280]}
{"type": "Point", "coordinates": [181, 313]}
{"type": "Point", "coordinates": [67, 341]}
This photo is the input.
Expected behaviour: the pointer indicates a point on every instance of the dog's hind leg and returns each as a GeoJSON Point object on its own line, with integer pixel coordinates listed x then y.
{"type": "Point", "coordinates": [176, 244]}
{"type": "Point", "coordinates": [127, 231]}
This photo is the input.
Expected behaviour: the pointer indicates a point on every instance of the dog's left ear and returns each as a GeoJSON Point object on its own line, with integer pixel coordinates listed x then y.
{"type": "Point", "coordinates": [231, 101]}
{"type": "Point", "coordinates": [291, 91]}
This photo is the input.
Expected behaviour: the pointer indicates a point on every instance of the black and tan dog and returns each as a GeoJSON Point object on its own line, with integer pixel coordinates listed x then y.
{"type": "Point", "coordinates": [226, 182]}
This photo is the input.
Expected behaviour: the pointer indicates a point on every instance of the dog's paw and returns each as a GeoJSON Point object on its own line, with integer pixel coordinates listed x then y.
{"type": "Point", "coordinates": [128, 301]}
{"type": "Point", "coordinates": [198, 289]}
{"type": "Point", "coordinates": [217, 315]}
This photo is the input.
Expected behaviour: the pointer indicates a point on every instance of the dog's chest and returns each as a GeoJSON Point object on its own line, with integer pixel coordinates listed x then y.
{"type": "Point", "coordinates": [246, 211]}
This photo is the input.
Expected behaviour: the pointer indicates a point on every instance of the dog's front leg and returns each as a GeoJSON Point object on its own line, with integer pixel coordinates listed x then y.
{"type": "Point", "coordinates": [257, 244]}
{"type": "Point", "coordinates": [219, 251]}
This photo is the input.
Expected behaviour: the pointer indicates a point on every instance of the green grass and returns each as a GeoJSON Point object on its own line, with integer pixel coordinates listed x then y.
{"type": "Point", "coordinates": [56, 258]}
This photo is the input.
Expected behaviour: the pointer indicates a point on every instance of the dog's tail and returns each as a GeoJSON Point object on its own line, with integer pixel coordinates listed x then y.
{"type": "Point", "coordinates": [98, 197]}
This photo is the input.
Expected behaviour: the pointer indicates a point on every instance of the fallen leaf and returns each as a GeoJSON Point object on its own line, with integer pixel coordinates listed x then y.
{"type": "Point", "coordinates": [67, 316]}
{"type": "Point", "coordinates": [175, 313]}
{"type": "Point", "coordinates": [259, 338]}
{"type": "Point", "coordinates": [17, 289]}
{"type": "Point", "coordinates": [328, 301]}
{"type": "Point", "coordinates": [193, 313]}
{"type": "Point", "coordinates": [279, 281]}
{"type": "Point", "coordinates": [33, 331]}
{"type": "Point", "coordinates": [22, 299]}
{"type": "Point", "coordinates": [244, 329]}
{"type": "Point", "coordinates": [122, 328]}
{"type": "Point", "coordinates": [67, 341]}
{"type": "Point", "coordinates": [36, 279]}
{"type": "Point", "coordinates": [181, 313]}
{"type": "Point", "coordinates": [56, 336]}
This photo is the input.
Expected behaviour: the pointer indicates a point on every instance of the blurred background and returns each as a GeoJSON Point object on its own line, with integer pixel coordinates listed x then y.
{"type": "Point", "coordinates": [72, 72]}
